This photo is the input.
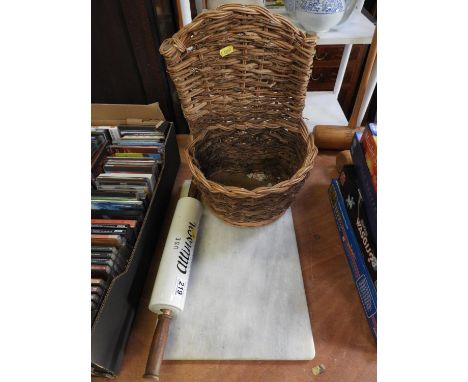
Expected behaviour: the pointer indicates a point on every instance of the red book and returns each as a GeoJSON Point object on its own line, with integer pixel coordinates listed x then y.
{"type": "Point", "coordinates": [369, 147]}
{"type": "Point", "coordinates": [131, 223]}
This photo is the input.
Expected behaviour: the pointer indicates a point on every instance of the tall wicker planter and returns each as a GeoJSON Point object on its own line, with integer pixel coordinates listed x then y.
{"type": "Point", "coordinates": [244, 108]}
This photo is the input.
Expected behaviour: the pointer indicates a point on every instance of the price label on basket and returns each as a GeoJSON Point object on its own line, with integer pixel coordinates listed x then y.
{"type": "Point", "coordinates": [226, 50]}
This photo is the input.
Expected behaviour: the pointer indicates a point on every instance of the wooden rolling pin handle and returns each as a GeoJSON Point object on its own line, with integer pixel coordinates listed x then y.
{"type": "Point", "coordinates": [193, 191]}
{"type": "Point", "coordinates": [334, 137]}
{"type": "Point", "coordinates": [161, 333]}
{"type": "Point", "coordinates": [342, 159]}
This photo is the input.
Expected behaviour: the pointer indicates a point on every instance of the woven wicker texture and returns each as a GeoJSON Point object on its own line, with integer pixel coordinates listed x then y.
{"type": "Point", "coordinates": [244, 109]}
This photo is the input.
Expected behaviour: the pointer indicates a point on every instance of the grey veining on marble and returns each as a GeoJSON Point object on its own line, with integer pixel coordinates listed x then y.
{"type": "Point", "coordinates": [245, 298]}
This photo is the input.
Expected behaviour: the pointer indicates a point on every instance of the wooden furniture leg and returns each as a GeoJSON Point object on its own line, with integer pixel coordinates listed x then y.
{"type": "Point", "coordinates": [340, 137]}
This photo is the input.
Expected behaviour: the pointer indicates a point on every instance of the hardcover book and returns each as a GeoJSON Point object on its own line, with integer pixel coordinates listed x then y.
{"type": "Point", "coordinates": [355, 208]}
{"type": "Point", "coordinates": [364, 285]}
{"type": "Point", "coordinates": [369, 147]}
{"type": "Point", "coordinates": [365, 184]}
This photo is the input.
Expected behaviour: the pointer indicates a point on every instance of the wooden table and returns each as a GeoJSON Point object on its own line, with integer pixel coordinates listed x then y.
{"type": "Point", "coordinates": [343, 341]}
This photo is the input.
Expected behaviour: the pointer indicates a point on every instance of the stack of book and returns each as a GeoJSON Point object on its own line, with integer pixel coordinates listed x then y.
{"type": "Point", "coordinates": [126, 162]}
{"type": "Point", "coordinates": [353, 196]}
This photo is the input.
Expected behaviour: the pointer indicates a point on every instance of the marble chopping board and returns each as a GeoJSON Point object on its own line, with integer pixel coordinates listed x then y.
{"type": "Point", "coordinates": [245, 298]}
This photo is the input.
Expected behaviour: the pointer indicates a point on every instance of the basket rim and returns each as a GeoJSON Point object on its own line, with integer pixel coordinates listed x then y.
{"type": "Point", "coordinates": [240, 192]}
{"type": "Point", "coordinates": [175, 47]}
{"type": "Point", "coordinates": [224, 11]}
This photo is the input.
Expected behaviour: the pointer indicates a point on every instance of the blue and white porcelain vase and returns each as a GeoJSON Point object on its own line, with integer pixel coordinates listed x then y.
{"type": "Point", "coordinates": [322, 15]}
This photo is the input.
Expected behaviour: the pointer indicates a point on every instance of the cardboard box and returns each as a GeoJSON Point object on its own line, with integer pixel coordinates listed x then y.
{"type": "Point", "coordinates": [112, 326]}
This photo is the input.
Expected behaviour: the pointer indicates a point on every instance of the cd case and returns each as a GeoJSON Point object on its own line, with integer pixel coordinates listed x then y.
{"type": "Point", "coordinates": [111, 326]}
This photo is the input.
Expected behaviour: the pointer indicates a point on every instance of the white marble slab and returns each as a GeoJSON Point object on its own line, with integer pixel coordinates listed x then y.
{"type": "Point", "coordinates": [246, 298]}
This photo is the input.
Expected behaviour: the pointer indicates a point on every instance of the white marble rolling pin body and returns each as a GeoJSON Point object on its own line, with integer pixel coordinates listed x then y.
{"type": "Point", "coordinates": [170, 287]}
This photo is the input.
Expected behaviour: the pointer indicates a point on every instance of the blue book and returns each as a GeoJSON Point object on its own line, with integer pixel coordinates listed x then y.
{"type": "Point", "coordinates": [365, 184]}
{"type": "Point", "coordinates": [362, 279]}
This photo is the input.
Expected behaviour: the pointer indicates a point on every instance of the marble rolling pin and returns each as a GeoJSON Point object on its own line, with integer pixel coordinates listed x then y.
{"type": "Point", "coordinates": [170, 286]}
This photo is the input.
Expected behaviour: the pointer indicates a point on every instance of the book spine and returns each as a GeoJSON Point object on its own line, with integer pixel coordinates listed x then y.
{"type": "Point", "coordinates": [369, 147]}
{"type": "Point", "coordinates": [368, 193]}
{"type": "Point", "coordinates": [364, 285]}
{"type": "Point", "coordinates": [358, 219]}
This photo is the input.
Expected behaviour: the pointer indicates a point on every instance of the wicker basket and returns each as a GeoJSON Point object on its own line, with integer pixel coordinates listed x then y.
{"type": "Point", "coordinates": [244, 108]}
